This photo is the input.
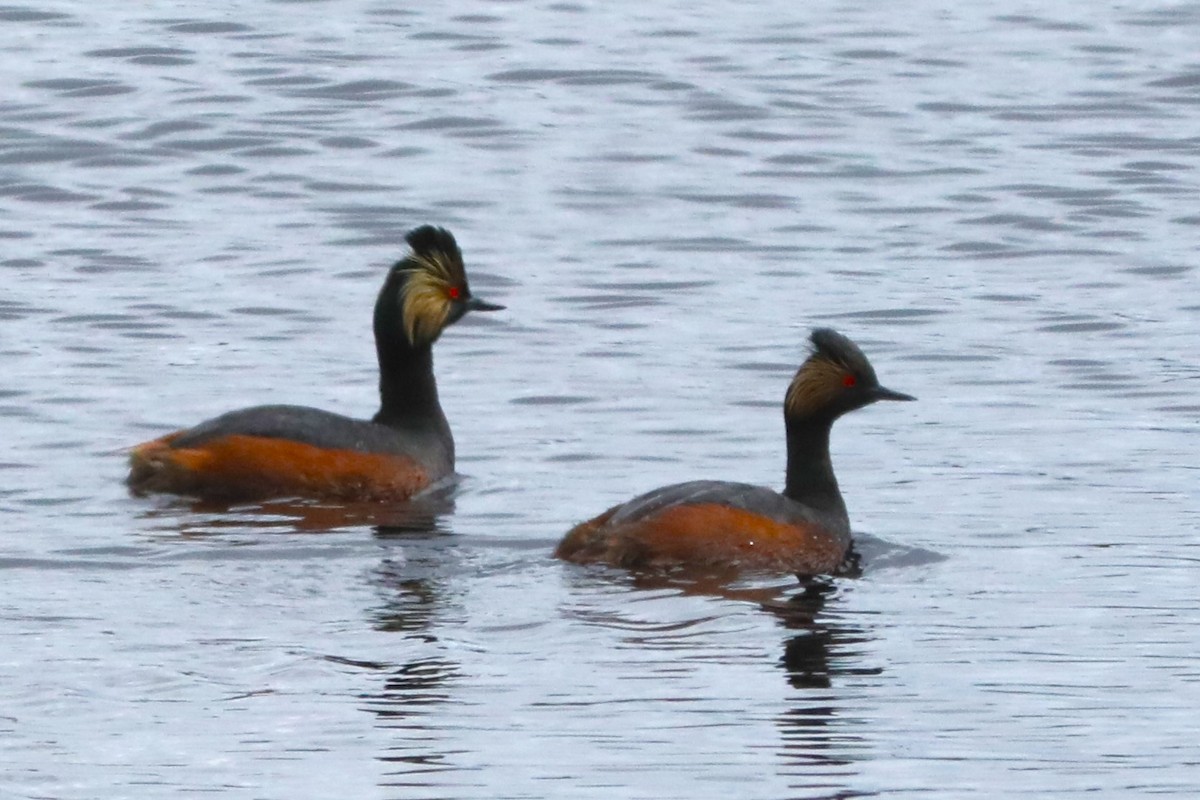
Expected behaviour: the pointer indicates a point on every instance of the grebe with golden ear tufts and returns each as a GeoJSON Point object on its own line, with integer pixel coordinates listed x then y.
{"type": "Point", "coordinates": [294, 451]}
{"type": "Point", "coordinates": [719, 525]}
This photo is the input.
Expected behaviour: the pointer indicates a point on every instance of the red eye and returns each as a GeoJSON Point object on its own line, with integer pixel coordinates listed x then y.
{"type": "Point", "coordinates": [849, 381]}
{"type": "Point", "coordinates": [453, 292]}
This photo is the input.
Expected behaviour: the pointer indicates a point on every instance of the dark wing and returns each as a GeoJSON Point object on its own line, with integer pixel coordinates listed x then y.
{"type": "Point", "coordinates": [295, 423]}
{"type": "Point", "coordinates": [744, 496]}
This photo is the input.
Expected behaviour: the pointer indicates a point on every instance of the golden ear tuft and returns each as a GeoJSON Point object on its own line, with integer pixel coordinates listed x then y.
{"type": "Point", "coordinates": [425, 303]}
{"type": "Point", "coordinates": [817, 384]}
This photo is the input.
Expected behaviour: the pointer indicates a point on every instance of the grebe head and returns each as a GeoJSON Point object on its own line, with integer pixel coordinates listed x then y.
{"type": "Point", "coordinates": [834, 379]}
{"type": "Point", "coordinates": [427, 289]}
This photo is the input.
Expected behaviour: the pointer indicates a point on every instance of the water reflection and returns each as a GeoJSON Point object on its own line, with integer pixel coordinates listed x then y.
{"type": "Point", "coordinates": [407, 699]}
{"type": "Point", "coordinates": [806, 654]}
{"type": "Point", "coordinates": [819, 740]}
{"type": "Point", "coordinates": [805, 657]}
{"type": "Point", "coordinates": [412, 598]}
{"type": "Point", "coordinates": [422, 515]}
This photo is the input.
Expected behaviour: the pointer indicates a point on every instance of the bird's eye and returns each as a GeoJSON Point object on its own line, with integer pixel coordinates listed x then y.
{"type": "Point", "coordinates": [453, 292]}
{"type": "Point", "coordinates": [849, 380]}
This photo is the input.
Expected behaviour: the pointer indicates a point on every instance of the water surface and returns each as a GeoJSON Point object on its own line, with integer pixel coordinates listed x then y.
{"type": "Point", "coordinates": [197, 206]}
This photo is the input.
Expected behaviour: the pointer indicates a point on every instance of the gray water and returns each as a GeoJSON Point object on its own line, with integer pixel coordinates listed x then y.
{"type": "Point", "coordinates": [998, 202]}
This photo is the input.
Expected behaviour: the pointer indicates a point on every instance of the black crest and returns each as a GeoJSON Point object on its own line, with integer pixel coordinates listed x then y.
{"type": "Point", "coordinates": [429, 240]}
{"type": "Point", "coordinates": [836, 348]}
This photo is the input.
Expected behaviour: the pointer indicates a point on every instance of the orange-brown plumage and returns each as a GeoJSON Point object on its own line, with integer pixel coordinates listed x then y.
{"type": "Point", "coordinates": [239, 467]}
{"type": "Point", "coordinates": [701, 536]}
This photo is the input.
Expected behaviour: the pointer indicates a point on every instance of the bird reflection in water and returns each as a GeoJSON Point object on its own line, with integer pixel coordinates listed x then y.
{"type": "Point", "coordinates": [197, 518]}
{"type": "Point", "coordinates": [413, 604]}
{"type": "Point", "coordinates": [820, 735]}
{"type": "Point", "coordinates": [806, 653]}
{"type": "Point", "coordinates": [819, 739]}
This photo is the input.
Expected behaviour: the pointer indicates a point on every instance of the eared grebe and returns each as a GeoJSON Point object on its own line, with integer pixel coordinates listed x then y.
{"type": "Point", "coordinates": [292, 451]}
{"type": "Point", "coordinates": [730, 526]}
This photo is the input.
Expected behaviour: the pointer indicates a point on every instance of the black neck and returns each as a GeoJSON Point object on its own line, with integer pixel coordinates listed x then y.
{"type": "Point", "coordinates": [810, 478]}
{"type": "Point", "coordinates": [407, 389]}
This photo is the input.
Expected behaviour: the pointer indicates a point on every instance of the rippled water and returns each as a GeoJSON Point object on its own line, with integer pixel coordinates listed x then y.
{"type": "Point", "coordinates": [198, 202]}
